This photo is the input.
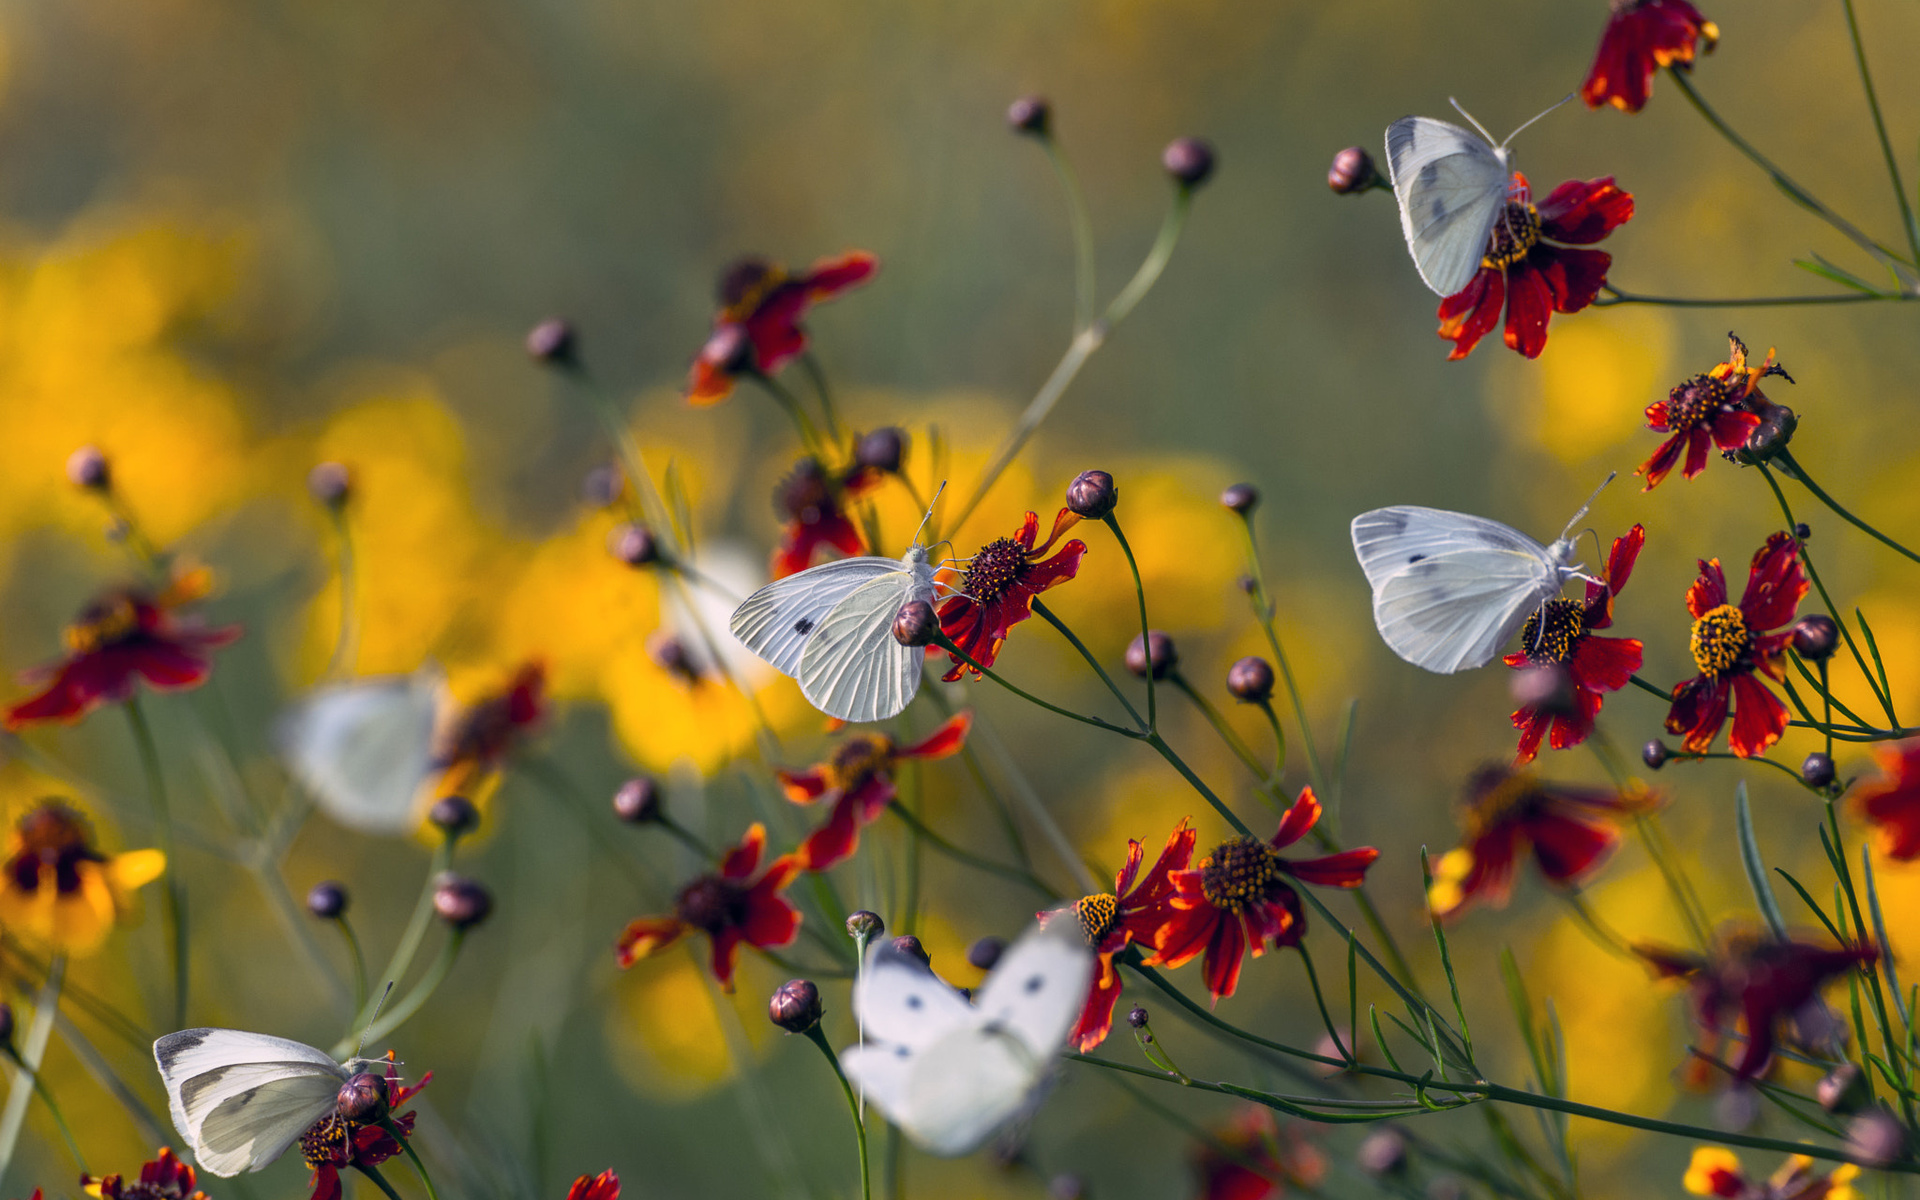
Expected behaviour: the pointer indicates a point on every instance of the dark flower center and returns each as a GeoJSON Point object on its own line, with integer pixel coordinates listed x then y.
{"type": "Point", "coordinates": [1720, 641]}
{"type": "Point", "coordinates": [1096, 915]}
{"type": "Point", "coordinates": [1498, 796]}
{"type": "Point", "coordinates": [712, 904]}
{"type": "Point", "coordinates": [857, 758]}
{"type": "Point", "coordinates": [1697, 402]}
{"type": "Point", "coordinates": [997, 567]}
{"type": "Point", "coordinates": [1553, 631]}
{"type": "Point", "coordinates": [52, 835]}
{"type": "Point", "coordinates": [745, 284]}
{"type": "Point", "coordinates": [328, 1142]}
{"type": "Point", "coordinates": [103, 623]}
{"type": "Point", "coordinates": [1514, 234]}
{"type": "Point", "coordinates": [142, 1189]}
{"type": "Point", "coordinates": [1238, 874]}
{"type": "Point", "coordinates": [806, 495]}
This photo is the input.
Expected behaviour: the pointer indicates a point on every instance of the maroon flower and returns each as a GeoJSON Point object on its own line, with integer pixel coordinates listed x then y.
{"type": "Point", "coordinates": [1730, 645]}
{"type": "Point", "coordinates": [860, 779]}
{"type": "Point", "coordinates": [164, 1178]}
{"type": "Point", "coordinates": [1892, 802]}
{"type": "Point", "coordinates": [1561, 635]}
{"type": "Point", "coordinates": [1717, 408]}
{"type": "Point", "coordinates": [1263, 1155]}
{"type": "Point", "coordinates": [813, 504]}
{"type": "Point", "coordinates": [337, 1141]}
{"type": "Point", "coordinates": [730, 906]}
{"type": "Point", "coordinates": [1641, 37]}
{"type": "Point", "coordinates": [604, 1186]}
{"type": "Point", "coordinates": [1134, 911]}
{"type": "Point", "coordinates": [758, 326]}
{"type": "Point", "coordinates": [125, 636]}
{"type": "Point", "coordinates": [1533, 267]}
{"type": "Point", "coordinates": [998, 590]}
{"type": "Point", "coordinates": [470, 745]}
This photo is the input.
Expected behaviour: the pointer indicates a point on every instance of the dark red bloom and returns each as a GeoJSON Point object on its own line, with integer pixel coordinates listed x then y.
{"type": "Point", "coordinates": [1571, 831]}
{"type": "Point", "coordinates": [1731, 644]}
{"type": "Point", "coordinates": [1240, 894]}
{"type": "Point", "coordinates": [124, 636]}
{"type": "Point", "coordinates": [1756, 979]}
{"type": "Point", "coordinates": [1712, 409]}
{"type": "Point", "coordinates": [758, 325]}
{"type": "Point", "coordinates": [998, 589]}
{"type": "Point", "coordinates": [604, 1186]}
{"type": "Point", "coordinates": [730, 906]}
{"type": "Point", "coordinates": [1263, 1156]}
{"type": "Point", "coordinates": [1561, 634]}
{"type": "Point", "coordinates": [812, 503]}
{"type": "Point", "coordinates": [336, 1141]}
{"type": "Point", "coordinates": [1533, 267]}
{"type": "Point", "coordinates": [1892, 802]}
{"type": "Point", "coordinates": [859, 777]}
{"type": "Point", "coordinates": [471, 743]}
{"type": "Point", "coordinates": [1641, 37]}
{"type": "Point", "coordinates": [1134, 911]}
{"type": "Point", "coordinates": [165, 1178]}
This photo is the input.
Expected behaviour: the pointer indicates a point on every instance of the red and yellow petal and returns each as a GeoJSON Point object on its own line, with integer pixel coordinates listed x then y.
{"type": "Point", "coordinates": [1759, 717]}
{"type": "Point", "coordinates": [1709, 591]}
{"type": "Point", "coordinates": [1776, 583]}
{"type": "Point", "coordinates": [1471, 313]}
{"type": "Point", "coordinates": [645, 936]}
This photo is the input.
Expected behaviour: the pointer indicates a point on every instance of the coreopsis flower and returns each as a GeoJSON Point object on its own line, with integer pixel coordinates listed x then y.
{"type": "Point", "coordinates": [1892, 802]}
{"type": "Point", "coordinates": [1240, 894]}
{"type": "Point", "coordinates": [58, 889]}
{"type": "Point", "coordinates": [859, 778]}
{"type": "Point", "coordinates": [125, 636]}
{"type": "Point", "coordinates": [730, 906]}
{"type": "Point", "coordinates": [758, 325]}
{"type": "Point", "coordinates": [1570, 830]}
{"type": "Point", "coordinates": [1760, 980]}
{"type": "Point", "coordinates": [1000, 583]}
{"type": "Point", "coordinates": [604, 1186]}
{"type": "Point", "coordinates": [1641, 37]}
{"type": "Point", "coordinates": [1714, 409]}
{"type": "Point", "coordinates": [1732, 647]}
{"type": "Point", "coordinates": [1134, 911]}
{"type": "Point", "coordinates": [164, 1178]}
{"type": "Point", "coordinates": [341, 1139]}
{"type": "Point", "coordinates": [471, 742]}
{"type": "Point", "coordinates": [1534, 266]}
{"type": "Point", "coordinates": [812, 503]}
{"type": "Point", "coordinates": [1560, 634]}
{"type": "Point", "coordinates": [1264, 1155]}
{"type": "Point", "coordinates": [1715, 1171]}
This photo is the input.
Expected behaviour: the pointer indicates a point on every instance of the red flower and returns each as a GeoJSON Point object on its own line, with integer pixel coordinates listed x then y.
{"type": "Point", "coordinates": [1571, 831]}
{"type": "Point", "coordinates": [1528, 273]}
{"type": "Point", "coordinates": [336, 1141]}
{"type": "Point", "coordinates": [1641, 37]}
{"type": "Point", "coordinates": [860, 778]}
{"type": "Point", "coordinates": [1759, 980]}
{"type": "Point", "coordinates": [1714, 408]}
{"type": "Point", "coordinates": [1892, 802]}
{"type": "Point", "coordinates": [1593, 665]}
{"type": "Point", "coordinates": [814, 505]}
{"type": "Point", "coordinates": [998, 590]}
{"type": "Point", "coordinates": [470, 744]}
{"type": "Point", "coordinates": [604, 1186]}
{"type": "Point", "coordinates": [1261, 1157]}
{"type": "Point", "coordinates": [1730, 644]}
{"type": "Point", "coordinates": [758, 326]}
{"type": "Point", "coordinates": [1134, 911]}
{"type": "Point", "coordinates": [165, 1178]}
{"type": "Point", "coordinates": [1717, 1172]}
{"type": "Point", "coordinates": [726, 907]}
{"type": "Point", "coordinates": [124, 636]}
{"type": "Point", "coordinates": [1239, 894]}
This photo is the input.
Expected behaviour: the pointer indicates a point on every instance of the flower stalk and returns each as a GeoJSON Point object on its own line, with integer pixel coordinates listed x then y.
{"type": "Point", "coordinates": [174, 891]}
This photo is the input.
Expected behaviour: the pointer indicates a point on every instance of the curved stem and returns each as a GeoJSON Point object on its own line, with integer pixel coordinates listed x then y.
{"type": "Point", "coordinates": [1084, 289]}
{"type": "Point", "coordinates": [379, 1180]}
{"type": "Point", "coordinates": [1140, 595]}
{"type": "Point", "coordinates": [1265, 783]}
{"type": "Point", "coordinates": [1757, 758]}
{"type": "Point", "coordinates": [1264, 609]}
{"type": "Point", "coordinates": [419, 1168]}
{"type": "Point", "coordinates": [1155, 262]}
{"type": "Point", "coordinates": [346, 639]}
{"type": "Point", "coordinates": [1616, 296]}
{"type": "Point", "coordinates": [1091, 661]}
{"type": "Point", "coordinates": [796, 412]}
{"type": "Point", "coordinates": [1800, 473]}
{"type": "Point", "coordinates": [422, 991]}
{"type": "Point", "coordinates": [853, 1108]}
{"type": "Point", "coordinates": [946, 643]}
{"type": "Point", "coordinates": [1326, 1018]}
{"type": "Point", "coordinates": [818, 377]}
{"type": "Point", "coordinates": [1880, 128]}
{"type": "Point", "coordinates": [174, 892]}
{"type": "Point", "coordinates": [1179, 764]}
{"type": "Point", "coordinates": [1014, 874]}
{"type": "Point", "coordinates": [359, 962]}
{"type": "Point", "coordinates": [408, 946]}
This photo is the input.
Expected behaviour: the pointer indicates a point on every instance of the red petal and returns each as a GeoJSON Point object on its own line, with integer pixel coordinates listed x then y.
{"type": "Point", "coordinates": [1575, 276]}
{"type": "Point", "coordinates": [1606, 664]}
{"type": "Point", "coordinates": [770, 920]}
{"type": "Point", "coordinates": [1567, 849]}
{"type": "Point", "coordinates": [1730, 428]}
{"type": "Point", "coordinates": [1347, 869]}
{"type": "Point", "coordinates": [739, 862]}
{"type": "Point", "coordinates": [325, 1183]}
{"type": "Point", "coordinates": [1626, 552]}
{"type": "Point", "coordinates": [1709, 591]}
{"type": "Point", "coordinates": [1662, 463]}
{"type": "Point", "coordinates": [1096, 1016]}
{"type": "Point", "coordinates": [1776, 583]}
{"type": "Point", "coordinates": [1621, 72]}
{"type": "Point", "coordinates": [1580, 214]}
{"type": "Point", "coordinates": [835, 841]}
{"type": "Point", "coordinates": [1123, 882]}
{"type": "Point", "coordinates": [1040, 576]}
{"type": "Point", "coordinates": [1529, 303]}
{"type": "Point", "coordinates": [945, 740]}
{"type": "Point", "coordinates": [1297, 820]}
{"type": "Point", "coordinates": [803, 787]}
{"type": "Point", "coordinates": [1469, 314]}
{"type": "Point", "coordinates": [1698, 442]}
{"type": "Point", "coordinates": [829, 277]}
{"type": "Point", "coordinates": [1491, 876]}
{"type": "Point", "coordinates": [641, 938]}
{"type": "Point", "coordinates": [1759, 717]}
{"type": "Point", "coordinates": [1174, 856]}
{"type": "Point", "coordinates": [1028, 531]}
{"type": "Point", "coordinates": [725, 952]}
{"type": "Point", "coordinates": [1570, 729]}
{"type": "Point", "coordinates": [1699, 710]}
{"type": "Point", "coordinates": [1532, 725]}
{"type": "Point", "coordinates": [1224, 952]}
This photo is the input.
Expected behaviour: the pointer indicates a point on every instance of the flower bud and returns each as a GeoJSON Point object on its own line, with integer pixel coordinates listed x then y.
{"type": "Point", "coordinates": [882, 449]}
{"type": "Point", "coordinates": [363, 1099]}
{"type": "Point", "coordinates": [87, 468]}
{"type": "Point", "coordinates": [1189, 160]}
{"type": "Point", "coordinates": [670, 654]}
{"type": "Point", "coordinates": [552, 341]}
{"type": "Point", "coordinates": [983, 954]}
{"type": "Point", "coordinates": [1152, 651]}
{"type": "Point", "coordinates": [1875, 1138]}
{"type": "Point", "coordinates": [1250, 680]}
{"type": "Point", "coordinates": [1137, 1017]}
{"type": "Point", "coordinates": [459, 901]}
{"type": "Point", "coordinates": [327, 900]}
{"type": "Point", "coordinates": [865, 924]}
{"type": "Point", "coordinates": [6, 1024]}
{"type": "Point", "coordinates": [1353, 172]}
{"type": "Point", "coordinates": [1772, 435]}
{"type": "Point", "coordinates": [1383, 1152]}
{"type": "Point", "coordinates": [638, 800]}
{"type": "Point", "coordinates": [730, 349]}
{"type": "Point", "coordinates": [1246, 583]}
{"type": "Point", "coordinates": [1802, 531]}
{"type": "Point", "coordinates": [602, 486]}
{"type": "Point", "coordinates": [1241, 498]}
{"type": "Point", "coordinates": [915, 624]}
{"type": "Point", "coordinates": [330, 484]}
{"type": "Point", "coordinates": [1092, 494]}
{"type": "Point", "coordinates": [1817, 770]}
{"type": "Point", "coordinates": [1842, 1090]}
{"type": "Point", "coordinates": [1816, 637]}
{"type": "Point", "coordinates": [1029, 114]}
{"type": "Point", "coordinates": [632, 544]}
{"type": "Point", "coordinates": [910, 946]}
{"type": "Point", "coordinates": [1655, 754]}
{"type": "Point", "coordinates": [454, 816]}
{"type": "Point", "coordinates": [795, 1006]}
{"type": "Point", "coordinates": [1548, 689]}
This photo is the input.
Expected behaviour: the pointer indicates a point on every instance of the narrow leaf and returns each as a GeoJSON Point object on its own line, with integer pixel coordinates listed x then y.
{"type": "Point", "coordinates": [1880, 936]}
{"type": "Point", "coordinates": [1880, 668]}
{"type": "Point", "coordinates": [1756, 871]}
{"type": "Point", "coordinates": [1817, 911]}
{"type": "Point", "coordinates": [1826, 270]}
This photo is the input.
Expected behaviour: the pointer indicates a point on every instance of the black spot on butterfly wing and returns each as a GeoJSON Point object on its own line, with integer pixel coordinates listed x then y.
{"type": "Point", "coordinates": [803, 626]}
{"type": "Point", "coordinates": [914, 1002]}
{"type": "Point", "coordinates": [1416, 558]}
{"type": "Point", "coordinates": [1034, 983]}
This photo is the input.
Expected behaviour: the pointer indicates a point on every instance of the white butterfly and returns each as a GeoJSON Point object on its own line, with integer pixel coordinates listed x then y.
{"type": "Point", "coordinates": [1452, 188]}
{"type": "Point", "coordinates": [1449, 589]}
{"type": "Point", "coordinates": [831, 628]}
{"type": "Point", "coordinates": [240, 1099]}
{"type": "Point", "coordinates": [363, 749]}
{"type": "Point", "coordinates": [949, 1073]}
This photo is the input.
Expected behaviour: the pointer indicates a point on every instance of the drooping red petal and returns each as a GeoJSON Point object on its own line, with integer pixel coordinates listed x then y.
{"type": "Point", "coordinates": [1566, 848]}
{"type": "Point", "coordinates": [829, 277]}
{"type": "Point", "coordinates": [1661, 463]}
{"type": "Point", "coordinates": [1759, 717]}
{"type": "Point", "coordinates": [1490, 878]}
{"type": "Point", "coordinates": [835, 841]}
{"type": "Point", "coordinates": [1614, 77]}
{"type": "Point", "coordinates": [1529, 304]}
{"type": "Point", "coordinates": [1573, 276]}
{"type": "Point", "coordinates": [646, 935]}
{"type": "Point", "coordinates": [739, 861]}
{"type": "Point", "coordinates": [801, 540]}
{"type": "Point", "coordinates": [1699, 442]}
{"type": "Point", "coordinates": [770, 920]}
{"type": "Point", "coordinates": [1224, 953]}
{"type": "Point", "coordinates": [1533, 725]}
{"type": "Point", "coordinates": [946, 740]}
{"type": "Point", "coordinates": [723, 955]}
{"type": "Point", "coordinates": [1581, 213]}
{"type": "Point", "coordinates": [1301, 817]}
{"type": "Point", "coordinates": [1189, 925]}
{"type": "Point", "coordinates": [167, 666]}
{"type": "Point", "coordinates": [1699, 710]}
{"type": "Point", "coordinates": [1892, 801]}
{"type": "Point", "coordinates": [802, 787]}
{"type": "Point", "coordinates": [1347, 869]}
{"type": "Point", "coordinates": [1606, 664]}
{"type": "Point", "coordinates": [707, 382]}
{"type": "Point", "coordinates": [1572, 728]}
{"type": "Point", "coordinates": [1096, 1016]}
{"type": "Point", "coordinates": [1709, 591]}
{"type": "Point", "coordinates": [1471, 313]}
{"type": "Point", "coordinates": [1730, 427]}
{"type": "Point", "coordinates": [325, 1183]}
{"type": "Point", "coordinates": [1776, 583]}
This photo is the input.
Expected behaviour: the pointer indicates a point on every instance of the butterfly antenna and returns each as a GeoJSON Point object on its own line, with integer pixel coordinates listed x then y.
{"type": "Point", "coordinates": [929, 516]}
{"type": "Point", "coordinates": [1516, 133]}
{"type": "Point", "coordinates": [1589, 504]}
{"type": "Point", "coordinates": [1477, 125]}
{"type": "Point", "coordinates": [372, 1016]}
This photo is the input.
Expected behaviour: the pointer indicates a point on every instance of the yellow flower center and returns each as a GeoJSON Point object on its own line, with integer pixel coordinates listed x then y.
{"type": "Point", "coordinates": [857, 758]}
{"type": "Point", "coordinates": [102, 624]}
{"type": "Point", "coordinates": [1515, 234]}
{"type": "Point", "coordinates": [1554, 639]}
{"type": "Point", "coordinates": [1238, 874]}
{"type": "Point", "coordinates": [1096, 915]}
{"type": "Point", "coordinates": [1720, 641]}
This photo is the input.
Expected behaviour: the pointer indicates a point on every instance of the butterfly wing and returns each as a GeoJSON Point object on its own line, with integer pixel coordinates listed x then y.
{"type": "Point", "coordinates": [1452, 187]}
{"type": "Point", "coordinates": [1039, 985]}
{"type": "Point", "coordinates": [904, 1009]}
{"type": "Point", "coordinates": [853, 667]}
{"type": "Point", "coordinates": [362, 749]}
{"type": "Point", "coordinates": [240, 1099]}
{"type": "Point", "coordinates": [777, 621]}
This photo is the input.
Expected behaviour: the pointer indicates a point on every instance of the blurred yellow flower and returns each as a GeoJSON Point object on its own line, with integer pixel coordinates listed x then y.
{"type": "Point", "coordinates": [669, 1032]}
{"type": "Point", "coordinates": [59, 890]}
{"type": "Point", "coordinates": [1591, 393]}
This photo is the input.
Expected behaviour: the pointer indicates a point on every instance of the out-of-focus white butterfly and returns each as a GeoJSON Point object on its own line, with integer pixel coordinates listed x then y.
{"type": "Point", "coordinates": [1449, 589]}
{"type": "Point", "coordinates": [949, 1073]}
{"type": "Point", "coordinates": [1452, 188]}
{"type": "Point", "coordinates": [240, 1099]}
{"type": "Point", "coordinates": [364, 749]}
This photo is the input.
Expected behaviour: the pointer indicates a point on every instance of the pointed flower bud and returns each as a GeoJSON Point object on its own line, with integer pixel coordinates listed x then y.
{"type": "Point", "coordinates": [1189, 160]}
{"type": "Point", "coordinates": [1092, 495]}
{"type": "Point", "coordinates": [795, 1006]}
{"type": "Point", "coordinates": [1250, 680]}
{"type": "Point", "coordinates": [1152, 652]}
{"type": "Point", "coordinates": [327, 900]}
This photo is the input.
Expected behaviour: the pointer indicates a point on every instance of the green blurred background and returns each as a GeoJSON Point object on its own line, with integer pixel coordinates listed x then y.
{"type": "Point", "coordinates": [269, 216]}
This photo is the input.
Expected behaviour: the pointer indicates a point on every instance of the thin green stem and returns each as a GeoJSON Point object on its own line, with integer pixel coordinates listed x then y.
{"type": "Point", "coordinates": [359, 962]}
{"type": "Point", "coordinates": [1326, 1018]}
{"type": "Point", "coordinates": [174, 893]}
{"type": "Point", "coordinates": [796, 412]}
{"type": "Point", "coordinates": [405, 1008]}
{"type": "Point", "coordinates": [419, 1168]}
{"type": "Point", "coordinates": [346, 638]}
{"type": "Point", "coordinates": [945, 643]}
{"type": "Point", "coordinates": [1179, 764]}
{"type": "Point", "coordinates": [1616, 296]}
{"type": "Point", "coordinates": [1880, 127]}
{"type": "Point", "coordinates": [408, 946]}
{"type": "Point", "coordinates": [1084, 288]}
{"type": "Point", "coordinates": [819, 1039]}
{"type": "Point", "coordinates": [379, 1180]}
{"type": "Point", "coordinates": [1013, 874]}
{"type": "Point", "coordinates": [1650, 688]}
{"type": "Point", "coordinates": [45, 1093]}
{"type": "Point", "coordinates": [1265, 781]}
{"type": "Point", "coordinates": [818, 378]}
{"type": "Point", "coordinates": [1264, 609]}
{"type": "Point", "coordinates": [1091, 661]}
{"type": "Point", "coordinates": [1156, 261]}
{"type": "Point", "coordinates": [1140, 596]}
{"type": "Point", "coordinates": [32, 1055]}
{"type": "Point", "coordinates": [1800, 473]}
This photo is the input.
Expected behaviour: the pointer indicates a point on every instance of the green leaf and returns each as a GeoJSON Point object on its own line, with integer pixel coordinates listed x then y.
{"type": "Point", "coordinates": [1756, 871]}
{"type": "Point", "coordinates": [1386, 1051]}
{"type": "Point", "coordinates": [1805, 896]}
{"type": "Point", "coordinates": [1873, 648]}
{"type": "Point", "coordinates": [1826, 270]}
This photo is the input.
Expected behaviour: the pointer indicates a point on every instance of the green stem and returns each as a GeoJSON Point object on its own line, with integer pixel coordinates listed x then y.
{"type": "Point", "coordinates": [1880, 128]}
{"type": "Point", "coordinates": [174, 893]}
{"type": "Point", "coordinates": [359, 962]}
{"type": "Point", "coordinates": [1084, 289]}
{"type": "Point", "coordinates": [1226, 814]}
{"type": "Point", "coordinates": [853, 1108]}
{"type": "Point", "coordinates": [408, 946]}
{"type": "Point", "coordinates": [1616, 296]}
{"type": "Point", "coordinates": [422, 991]}
{"type": "Point", "coordinates": [1264, 609]}
{"type": "Point", "coordinates": [1140, 596]}
{"type": "Point", "coordinates": [1326, 1018]}
{"type": "Point", "coordinates": [32, 1056]}
{"type": "Point", "coordinates": [1091, 661]}
{"type": "Point", "coordinates": [1806, 481]}
{"type": "Point", "coordinates": [1013, 874]}
{"type": "Point", "coordinates": [1683, 756]}
{"type": "Point", "coordinates": [346, 639]}
{"type": "Point", "coordinates": [379, 1180]}
{"type": "Point", "coordinates": [1265, 783]}
{"type": "Point", "coordinates": [1156, 261]}
{"type": "Point", "coordinates": [945, 643]}
{"type": "Point", "coordinates": [45, 1093]}
{"type": "Point", "coordinates": [797, 413]}
{"type": "Point", "coordinates": [818, 378]}
{"type": "Point", "coordinates": [419, 1168]}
